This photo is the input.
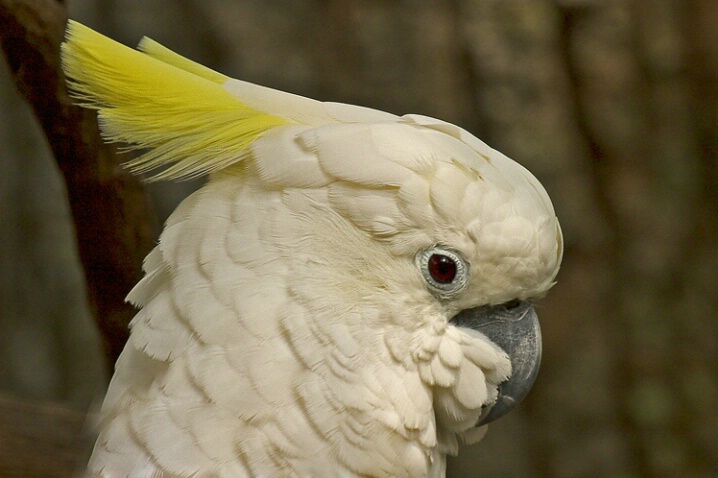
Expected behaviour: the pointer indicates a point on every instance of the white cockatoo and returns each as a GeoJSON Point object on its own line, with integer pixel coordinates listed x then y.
{"type": "Point", "coordinates": [348, 294]}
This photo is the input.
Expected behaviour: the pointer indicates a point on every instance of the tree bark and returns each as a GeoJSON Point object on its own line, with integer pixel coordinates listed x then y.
{"type": "Point", "coordinates": [112, 219]}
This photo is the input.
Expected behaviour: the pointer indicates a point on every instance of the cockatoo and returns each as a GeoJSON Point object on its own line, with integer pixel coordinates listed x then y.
{"type": "Point", "coordinates": [348, 294]}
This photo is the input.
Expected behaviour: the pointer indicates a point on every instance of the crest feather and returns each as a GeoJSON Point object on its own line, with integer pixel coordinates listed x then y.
{"type": "Point", "coordinates": [156, 50]}
{"type": "Point", "coordinates": [160, 101]}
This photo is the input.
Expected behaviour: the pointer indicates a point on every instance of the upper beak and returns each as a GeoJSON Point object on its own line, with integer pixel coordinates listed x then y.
{"type": "Point", "coordinates": [515, 328]}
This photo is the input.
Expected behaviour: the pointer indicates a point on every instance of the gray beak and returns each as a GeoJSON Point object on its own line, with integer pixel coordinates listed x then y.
{"type": "Point", "coordinates": [514, 327]}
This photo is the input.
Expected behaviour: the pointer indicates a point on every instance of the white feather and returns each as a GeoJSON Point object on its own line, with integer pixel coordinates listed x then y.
{"type": "Point", "coordinates": [349, 152]}
{"type": "Point", "coordinates": [286, 329]}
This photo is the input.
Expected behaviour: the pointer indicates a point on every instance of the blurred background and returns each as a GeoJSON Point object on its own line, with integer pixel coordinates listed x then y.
{"type": "Point", "coordinates": [612, 104]}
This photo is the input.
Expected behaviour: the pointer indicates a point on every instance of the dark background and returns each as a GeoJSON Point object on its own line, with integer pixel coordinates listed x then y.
{"type": "Point", "coordinates": [612, 104]}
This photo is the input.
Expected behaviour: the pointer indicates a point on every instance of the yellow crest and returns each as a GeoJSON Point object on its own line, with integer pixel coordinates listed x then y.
{"type": "Point", "coordinates": [158, 100]}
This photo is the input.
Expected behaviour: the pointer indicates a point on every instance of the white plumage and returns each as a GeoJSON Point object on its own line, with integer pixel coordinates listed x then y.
{"type": "Point", "coordinates": [285, 329]}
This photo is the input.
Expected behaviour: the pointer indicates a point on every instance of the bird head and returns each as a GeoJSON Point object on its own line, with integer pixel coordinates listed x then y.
{"type": "Point", "coordinates": [440, 243]}
{"type": "Point", "coordinates": [356, 272]}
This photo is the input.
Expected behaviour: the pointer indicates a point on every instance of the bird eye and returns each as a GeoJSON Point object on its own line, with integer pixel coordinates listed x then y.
{"type": "Point", "coordinates": [445, 271]}
{"type": "Point", "coordinates": [442, 268]}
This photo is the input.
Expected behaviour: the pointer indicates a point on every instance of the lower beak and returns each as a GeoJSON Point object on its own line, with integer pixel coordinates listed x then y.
{"type": "Point", "coordinates": [515, 329]}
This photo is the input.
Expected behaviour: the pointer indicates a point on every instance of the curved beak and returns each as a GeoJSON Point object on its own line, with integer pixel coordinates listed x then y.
{"type": "Point", "coordinates": [514, 327]}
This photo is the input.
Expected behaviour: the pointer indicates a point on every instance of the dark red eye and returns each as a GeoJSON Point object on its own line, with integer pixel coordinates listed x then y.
{"type": "Point", "coordinates": [442, 268]}
{"type": "Point", "coordinates": [445, 271]}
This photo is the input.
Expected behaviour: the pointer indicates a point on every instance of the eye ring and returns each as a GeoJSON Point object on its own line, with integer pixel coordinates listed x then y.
{"type": "Point", "coordinates": [446, 273]}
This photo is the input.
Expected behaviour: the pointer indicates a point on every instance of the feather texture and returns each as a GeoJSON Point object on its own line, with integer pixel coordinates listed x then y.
{"type": "Point", "coordinates": [285, 328]}
{"type": "Point", "coordinates": [190, 123]}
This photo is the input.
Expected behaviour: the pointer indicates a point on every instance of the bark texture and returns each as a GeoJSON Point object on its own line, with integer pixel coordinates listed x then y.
{"type": "Point", "coordinates": [113, 226]}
